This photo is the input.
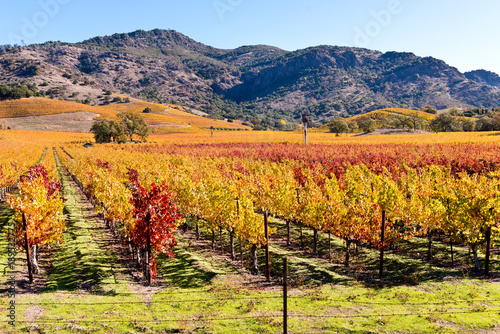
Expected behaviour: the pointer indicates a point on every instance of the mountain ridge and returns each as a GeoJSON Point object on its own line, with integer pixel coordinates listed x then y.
{"type": "Point", "coordinates": [254, 83]}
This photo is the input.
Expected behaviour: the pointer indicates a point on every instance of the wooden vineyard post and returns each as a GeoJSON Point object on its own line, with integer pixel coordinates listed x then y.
{"type": "Point", "coordinates": [197, 229]}
{"type": "Point", "coordinates": [315, 248]}
{"type": "Point", "coordinates": [221, 243]}
{"type": "Point", "coordinates": [266, 232]}
{"type": "Point", "coordinates": [488, 243]}
{"type": "Point", "coordinates": [451, 250]}
{"type": "Point", "coordinates": [301, 237]}
{"type": "Point", "coordinates": [148, 250]}
{"type": "Point", "coordinates": [238, 215]}
{"type": "Point", "coordinates": [241, 253]}
{"type": "Point", "coordinates": [329, 246]}
{"type": "Point", "coordinates": [382, 230]}
{"type": "Point", "coordinates": [288, 232]}
{"type": "Point", "coordinates": [285, 293]}
{"type": "Point", "coordinates": [231, 244]}
{"type": "Point", "coordinates": [28, 255]}
{"type": "Point", "coordinates": [296, 221]}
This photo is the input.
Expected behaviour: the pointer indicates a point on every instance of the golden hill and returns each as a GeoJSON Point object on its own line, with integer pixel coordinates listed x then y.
{"type": "Point", "coordinates": [381, 114]}
{"type": "Point", "coordinates": [167, 116]}
{"type": "Point", "coordinates": [384, 113]}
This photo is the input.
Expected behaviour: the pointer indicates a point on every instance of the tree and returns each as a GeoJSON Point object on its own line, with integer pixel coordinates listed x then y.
{"type": "Point", "coordinates": [445, 123]}
{"type": "Point", "coordinates": [367, 124]}
{"type": "Point", "coordinates": [156, 220]}
{"type": "Point", "coordinates": [416, 121]}
{"type": "Point", "coordinates": [89, 62]}
{"type": "Point", "coordinates": [39, 200]}
{"type": "Point", "coordinates": [353, 126]}
{"type": "Point", "coordinates": [106, 131]}
{"type": "Point", "coordinates": [468, 124]}
{"type": "Point", "coordinates": [143, 131]}
{"type": "Point", "coordinates": [485, 124]}
{"type": "Point", "coordinates": [429, 109]}
{"type": "Point", "coordinates": [147, 110]}
{"type": "Point", "coordinates": [338, 126]}
{"type": "Point", "coordinates": [134, 124]}
{"type": "Point", "coordinates": [496, 121]}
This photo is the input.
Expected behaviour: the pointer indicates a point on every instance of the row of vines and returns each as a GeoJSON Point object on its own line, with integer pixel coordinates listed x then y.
{"type": "Point", "coordinates": [31, 188]}
{"type": "Point", "coordinates": [343, 190]}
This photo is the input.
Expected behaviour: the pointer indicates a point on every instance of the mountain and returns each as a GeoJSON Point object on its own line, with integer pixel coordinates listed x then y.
{"type": "Point", "coordinates": [245, 83]}
{"type": "Point", "coordinates": [484, 77]}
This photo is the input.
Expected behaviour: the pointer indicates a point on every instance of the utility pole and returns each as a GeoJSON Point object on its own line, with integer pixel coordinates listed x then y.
{"type": "Point", "coordinates": [305, 122]}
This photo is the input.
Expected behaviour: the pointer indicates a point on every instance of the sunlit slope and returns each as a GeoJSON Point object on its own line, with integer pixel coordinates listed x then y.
{"type": "Point", "coordinates": [172, 115]}
{"type": "Point", "coordinates": [383, 113]}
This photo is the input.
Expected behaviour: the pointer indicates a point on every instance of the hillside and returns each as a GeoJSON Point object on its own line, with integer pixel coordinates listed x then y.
{"type": "Point", "coordinates": [248, 83]}
{"type": "Point", "coordinates": [382, 113]}
{"type": "Point", "coordinates": [33, 113]}
{"type": "Point", "coordinates": [382, 116]}
{"type": "Point", "coordinates": [484, 77]}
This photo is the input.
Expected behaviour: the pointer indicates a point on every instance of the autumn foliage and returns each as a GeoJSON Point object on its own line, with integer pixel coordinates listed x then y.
{"type": "Point", "coordinates": [343, 190]}
{"type": "Point", "coordinates": [39, 199]}
{"type": "Point", "coordinates": [156, 218]}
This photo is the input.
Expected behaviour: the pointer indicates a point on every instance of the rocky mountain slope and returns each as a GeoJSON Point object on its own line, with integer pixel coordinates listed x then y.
{"type": "Point", "coordinates": [484, 77]}
{"type": "Point", "coordinates": [248, 83]}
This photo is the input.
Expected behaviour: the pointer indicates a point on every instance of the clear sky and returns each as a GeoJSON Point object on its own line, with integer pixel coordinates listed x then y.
{"type": "Point", "coordinates": [463, 33]}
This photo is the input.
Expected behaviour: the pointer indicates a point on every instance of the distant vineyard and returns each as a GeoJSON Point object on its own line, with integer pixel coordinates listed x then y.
{"type": "Point", "coordinates": [15, 160]}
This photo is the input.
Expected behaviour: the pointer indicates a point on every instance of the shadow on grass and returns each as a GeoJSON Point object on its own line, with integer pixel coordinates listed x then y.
{"type": "Point", "coordinates": [183, 270]}
{"type": "Point", "coordinates": [74, 267]}
{"type": "Point", "coordinates": [79, 263]}
{"type": "Point", "coordinates": [403, 265]}
{"type": "Point", "coordinates": [6, 214]}
{"type": "Point", "coordinates": [302, 270]}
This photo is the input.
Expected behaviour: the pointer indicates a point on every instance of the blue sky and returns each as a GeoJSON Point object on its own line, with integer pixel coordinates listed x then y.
{"type": "Point", "coordinates": [465, 34]}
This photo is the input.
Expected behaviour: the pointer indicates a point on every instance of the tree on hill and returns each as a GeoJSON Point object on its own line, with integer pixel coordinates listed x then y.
{"type": "Point", "coordinates": [445, 123]}
{"type": "Point", "coordinates": [338, 125]}
{"type": "Point", "coordinates": [397, 121]}
{"type": "Point", "coordinates": [106, 131]}
{"type": "Point", "coordinates": [366, 124]}
{"type": "Point", "coordinates": [429, 109]}
{"type": "Point", "coordinates": [17, 92]}
{"type": "Point", "coordinates": [485, 124]}
{"type": "Point", "coordinates": [468, 124]}
{"type": "Point", "coordinates": [353, 126]}
{"type": "Point", "coordinates": [416, 121]}
{"type": "Point", "coordinates": [134, 124]}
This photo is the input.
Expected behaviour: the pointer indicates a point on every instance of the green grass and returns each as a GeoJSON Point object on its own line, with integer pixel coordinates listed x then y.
{"type": "Point", "coordinates": [6, 214]}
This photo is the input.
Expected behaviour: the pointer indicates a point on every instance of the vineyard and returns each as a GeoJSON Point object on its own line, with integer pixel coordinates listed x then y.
{"type": "Point", "coordinates": [380, 236]}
